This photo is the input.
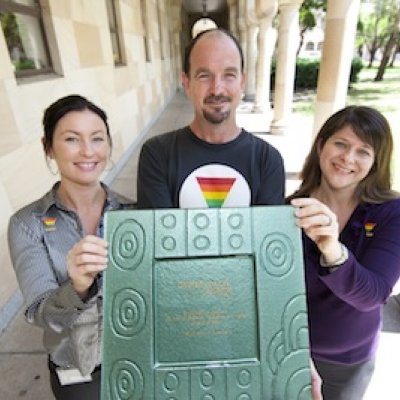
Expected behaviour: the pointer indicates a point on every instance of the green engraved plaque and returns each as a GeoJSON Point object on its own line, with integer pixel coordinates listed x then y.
{"type": "Point", "coordinates": [205, 305]}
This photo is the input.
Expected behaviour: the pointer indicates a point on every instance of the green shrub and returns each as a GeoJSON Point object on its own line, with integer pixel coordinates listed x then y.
{"type": "Point", "coordinates": [307, 73]}
{"type": "Point", "coordinates": [356, 67]}
{"type": "Point", "coordinates": [24, 64]}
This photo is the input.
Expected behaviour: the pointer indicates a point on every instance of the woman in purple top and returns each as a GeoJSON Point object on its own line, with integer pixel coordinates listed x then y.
{"type": "Point", "coordinates": [351, 222]}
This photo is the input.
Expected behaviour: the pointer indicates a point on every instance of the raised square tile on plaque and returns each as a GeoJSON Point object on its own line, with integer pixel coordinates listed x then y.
{"type": "Point", "coordinates": [205, 304]}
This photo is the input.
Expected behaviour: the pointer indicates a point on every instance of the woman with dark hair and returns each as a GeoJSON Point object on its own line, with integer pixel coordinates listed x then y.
{"type": "Point", "coordinates": [57, 248]}
{"type": "Point", "coordinates": [351, 221]}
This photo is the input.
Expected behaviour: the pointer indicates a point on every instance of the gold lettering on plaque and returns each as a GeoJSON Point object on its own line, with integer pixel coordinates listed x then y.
{"type": "Point", "coordinates": [206, 322]}
{"type": "Point", "coordinates": [219, 288]}
{"type": "Point", "coordinates": [213, 323]}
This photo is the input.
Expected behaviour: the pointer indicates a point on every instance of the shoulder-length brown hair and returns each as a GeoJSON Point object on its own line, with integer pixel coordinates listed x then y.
{"type": "Point", "coordinates": [371, 127]}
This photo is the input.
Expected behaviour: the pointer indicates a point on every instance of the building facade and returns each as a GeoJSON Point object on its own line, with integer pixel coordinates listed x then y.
{"type": "Point", "coordinates": [125, 56]}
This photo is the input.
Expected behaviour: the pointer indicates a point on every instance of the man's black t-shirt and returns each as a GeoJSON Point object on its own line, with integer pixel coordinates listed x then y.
{"type": "Point", "coordinates": [177, 169]}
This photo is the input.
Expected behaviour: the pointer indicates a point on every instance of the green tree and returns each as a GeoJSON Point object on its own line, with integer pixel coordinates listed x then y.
{"type": "Point", "coordinates": [391, 43]}
{"type": "Point", "coordinates": [394, 54]}
{"type": "Point", "coordinates": [307, 16]}
{"type": "Point", "coordinates": [375, 26]}
{"type": "Point", "coordinates": [10, 29]}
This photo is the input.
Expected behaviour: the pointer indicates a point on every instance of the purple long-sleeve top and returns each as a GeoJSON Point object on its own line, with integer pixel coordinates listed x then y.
{"type": "Point", "coordinates": [345, 305]}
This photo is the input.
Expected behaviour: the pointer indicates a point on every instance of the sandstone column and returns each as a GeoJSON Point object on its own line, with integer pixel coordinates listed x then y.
{"type": "Point", "coordinates": [266, 10]}
{"type": "Point", "coordinates": [337, 53]}
{"type": "Point", "coordinates": [252, 49]}
{"type": "Point", "coordinates": [232, 4]}
{"type": "Point", "coordinates": [288, 42]}
{"type": "Point", "coordinates": [241, 21]}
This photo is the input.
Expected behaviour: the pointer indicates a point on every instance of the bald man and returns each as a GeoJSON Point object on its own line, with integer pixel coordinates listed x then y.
{"type": "Point", "coordinates": [212, 162]}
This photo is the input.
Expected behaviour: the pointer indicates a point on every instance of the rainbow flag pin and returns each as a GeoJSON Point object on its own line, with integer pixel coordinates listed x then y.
{"type": "Point", "coordinates": [49, 223]}
{"type": "Point", "coordinates": [215, 190]}
{"type": "Point", "coordinates": [369, 229]}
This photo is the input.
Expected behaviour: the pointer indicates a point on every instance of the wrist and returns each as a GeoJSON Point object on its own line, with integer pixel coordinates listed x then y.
{"type": "Point", "coordinates": [81, 290]}
{"type": "Point", "coordinates": [344, 255]}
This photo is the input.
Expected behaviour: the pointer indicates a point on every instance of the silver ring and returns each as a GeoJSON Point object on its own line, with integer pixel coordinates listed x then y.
{"type": "Point", "coordinates": [329, 221]}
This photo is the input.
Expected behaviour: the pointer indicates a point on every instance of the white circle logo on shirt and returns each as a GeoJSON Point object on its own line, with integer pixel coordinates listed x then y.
{"type": "Point", "coordinates": [214, 186]}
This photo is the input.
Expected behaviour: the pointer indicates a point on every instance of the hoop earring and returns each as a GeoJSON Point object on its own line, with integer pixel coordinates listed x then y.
{"type": "Point", "coordinates": [51, 167]}
{"type": "Point", "coordinates": [112, 165]}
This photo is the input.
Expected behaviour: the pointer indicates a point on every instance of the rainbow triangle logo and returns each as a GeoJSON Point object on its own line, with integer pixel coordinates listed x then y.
{"type": "Point", "coordinates": [49, 223]}
{"type": "Point", "coordinates": [369, 229]}
{"type": "Point", "coordinates": [215, 190]}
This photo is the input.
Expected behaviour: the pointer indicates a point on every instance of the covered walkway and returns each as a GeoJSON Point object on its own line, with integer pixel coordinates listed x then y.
{"type": "Point", "coordinates": [23, 370]}
{"type": "Point", "coordinates": [126, 56]}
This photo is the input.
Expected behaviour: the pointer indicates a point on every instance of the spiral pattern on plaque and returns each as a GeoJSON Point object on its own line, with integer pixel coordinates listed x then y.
{"type": "Point", "coordinates": [128, 312]}
{"type": "Point", "coordinates": [126, 381]}
{"type": "Point", "coordinates": [277, 254]}
{"type": "Point", "coordinates": [128, 244]}
{"type": "Point", "coordinates": [244, 396]}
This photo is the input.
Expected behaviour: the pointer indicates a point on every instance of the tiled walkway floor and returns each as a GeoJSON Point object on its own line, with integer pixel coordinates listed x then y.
{"type": "Point", "coordinates": [23, 371]}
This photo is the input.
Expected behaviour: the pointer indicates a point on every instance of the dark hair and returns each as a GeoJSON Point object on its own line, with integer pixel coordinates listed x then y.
{"type": "Point", "coordinates": [189, 48]}
{"type": "Point", "coordinates": [371, 127]}
{"type": "Point", "coordinates": [63, 106]}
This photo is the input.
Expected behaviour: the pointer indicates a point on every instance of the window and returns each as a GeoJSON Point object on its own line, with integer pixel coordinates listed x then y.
{"type": "Point", "coordinates": [310, 46]}
{"type": "Point", "coordinates": [114, 32]}
{"type": "Point", "coordinates": [22, 25]}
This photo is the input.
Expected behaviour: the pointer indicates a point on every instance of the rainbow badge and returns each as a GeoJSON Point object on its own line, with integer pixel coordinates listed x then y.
{"type": "Point", "coordinates": [215, 190]}
{"type": "Point", "coordinates": [369, 229]}
{"type": "Point", "coordinates": [49, 223]}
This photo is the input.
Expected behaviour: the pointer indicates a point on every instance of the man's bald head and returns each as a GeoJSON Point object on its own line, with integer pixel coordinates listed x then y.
{"type": "Point", "coordinates": [217, 32]}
